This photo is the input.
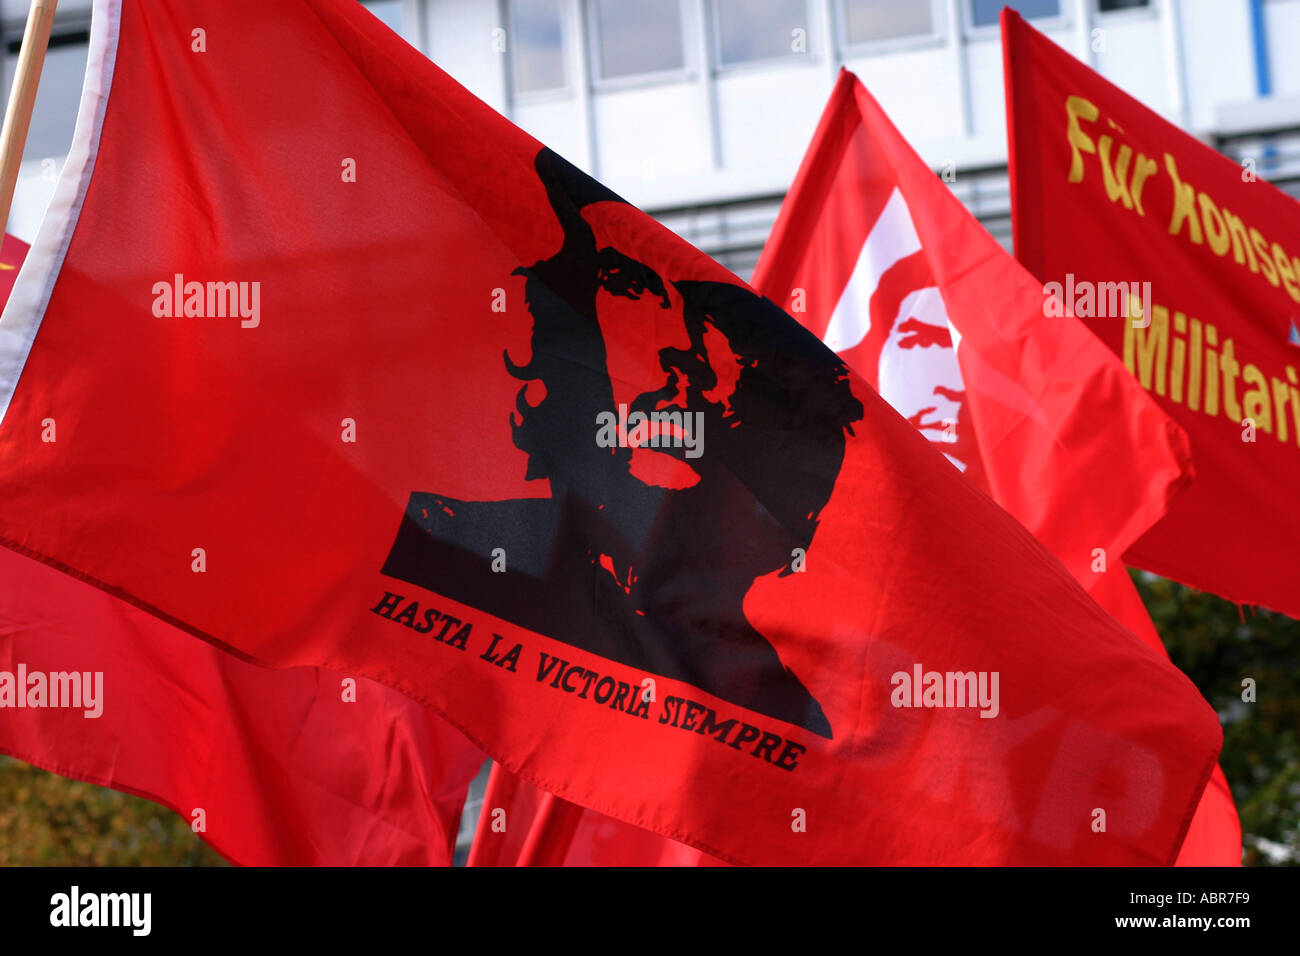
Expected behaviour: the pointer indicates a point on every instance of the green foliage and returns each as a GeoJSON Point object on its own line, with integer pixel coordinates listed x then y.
{"type": "Point", "coordinates": [47, 820]}
{"type": "Point", "coordinates": [1219, 646]}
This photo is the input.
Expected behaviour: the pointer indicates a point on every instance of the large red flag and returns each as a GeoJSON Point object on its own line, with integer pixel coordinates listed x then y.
{"type": "Point", "coordinates": [877, 257]}
{"type": "Point", "coordinates": [302, 766]}
{"type": "Point", "coordinates": [291, 767]}
{"type": "Point", "coordinates": [874, 254]}
{"type": "Point", "coordinates": [295, 767]}
{"type": "Point", "coordinates": [1113, 206]}
{"type": "Point", "coordinates": [403, 393]}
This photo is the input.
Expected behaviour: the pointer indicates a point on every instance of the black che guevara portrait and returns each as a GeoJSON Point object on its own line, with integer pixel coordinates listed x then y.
{"type": "Point", "coordinates": [650, 576]}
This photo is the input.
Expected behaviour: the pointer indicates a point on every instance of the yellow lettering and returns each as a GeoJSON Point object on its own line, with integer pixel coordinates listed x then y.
{"type": "Point", "coordinates": [1257, 406]}
{"type": "Point", "coordinates": [1113, 180]}
{"type": "Point", "coordinates": [1265, 260]}
{"type": "Point", "coordinates": [1184, 205]}
{"type": "Point", "coordinates": [1143, 168]}
{"type": "Point", "coordinates": [1241, 248]}
{"type": "Point", "coordinates": [1194, 381]}
{"type": "Point", "coordinates": [1180, 358]}
{"type": "Point", "coordinates": [1295, 401]}
{"type": "Point", "coordinates": [1285, 271]}
{"type": "Point", "coordinates": [1080, 143]}
{"type": "Point", "coordinates": [1281, 397]}
{"type": "Point", "coordinates": [1229, 367]}
{"type": "Point", "coordinates": [1145, 348]}
{"type": "Point", "coordinates": [1215, 231]}
{"type": "Point", "coordinates": [1211, 370]}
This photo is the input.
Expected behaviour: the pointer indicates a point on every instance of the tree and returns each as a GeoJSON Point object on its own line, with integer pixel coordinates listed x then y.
{"type": "Point", "coordinates": [47, 820]}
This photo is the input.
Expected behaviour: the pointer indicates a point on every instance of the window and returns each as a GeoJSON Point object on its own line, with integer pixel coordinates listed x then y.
{"type": "Point", "coordinates": [759, 29]}
{"type": "Point", "coordinates": [538, 45]}
{"type": "Point", "coordinates": [985, 13]}
{"type": "Point", "coordinates": [58, 94]}
{"type": "Point", "coordinates": [1110, 6]}
{"type": "Point", "coordinates": [389, 11]}
{"type": "Point", "coordinates": [644, 36]}
{"type": "Point", "coordinates": [870, 21]}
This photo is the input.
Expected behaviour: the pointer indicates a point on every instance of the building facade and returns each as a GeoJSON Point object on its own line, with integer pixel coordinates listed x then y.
{"type": "Point", "coordinates": [700, 110]}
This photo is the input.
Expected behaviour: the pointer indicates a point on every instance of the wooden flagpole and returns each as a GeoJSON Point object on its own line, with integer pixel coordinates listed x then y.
{"type": "Point", "coordinates": [18, 115]}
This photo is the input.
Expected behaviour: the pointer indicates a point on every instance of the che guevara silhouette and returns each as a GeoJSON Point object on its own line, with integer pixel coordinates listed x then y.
{"type": "Point", "coordinates": [652, 577]}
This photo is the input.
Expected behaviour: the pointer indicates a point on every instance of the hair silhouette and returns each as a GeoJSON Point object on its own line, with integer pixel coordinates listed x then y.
{"type": "Point", "coordinates": [652, 577]}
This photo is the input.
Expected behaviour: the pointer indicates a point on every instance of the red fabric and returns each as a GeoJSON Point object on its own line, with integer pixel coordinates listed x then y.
{"type": "Point", "coordinates": [1049, 422]}
{"type": "Point", "coordinates": [12, 252]}
{"type": "Point", "coordinates": [1041, 402]}
{"type": "Point", "coordinates": [575, 837]}
{"type": "Point", "coordinates": [1214, 838]}
{"type": "Point", "coordinates": [625, 561]}
{"type": "Point", "coordinates": [603, 841]}
{"type": "Point", "coordinates": [285, 771]}
{"type": "Point", "coordinates": [1234, 529]}
{"type": "Point", "coordinates": [505, 819]}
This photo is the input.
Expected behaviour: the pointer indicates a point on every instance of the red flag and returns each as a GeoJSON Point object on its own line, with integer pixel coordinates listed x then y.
{"type": "Point", "coordinates": [505, 819]}
{"type": "Point", "coordinates": [294, 767]}
{"type": "Point", "coordinates": [1112, 206]}
{"type": "Point", "coordinates": [270, 767]}
{"type": "Point", "coordinates": [874, 254]}
{"type": "Point", "coordinates": [1214, 838]}
{"type": "Point", "coordinates": [397, 395]}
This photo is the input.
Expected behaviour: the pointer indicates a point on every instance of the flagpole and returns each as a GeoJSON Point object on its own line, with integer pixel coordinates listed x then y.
{"type": "Point", "coordinates": [552, 832]}
{"type": "Point", "coordinates": [500, 792]}
{"type": "Point", "coordinates": [22, 98]}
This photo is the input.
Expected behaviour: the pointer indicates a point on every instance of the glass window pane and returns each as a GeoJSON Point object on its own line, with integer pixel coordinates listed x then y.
{"type": "Point", "coordinates": [538, 45]}
{"type": "Point", "coordinates": [867, 21]}
{"type": "Point", "coordinates": [986, 12]}
{"type": "Point", "coordinates": [638, 36]}
{"type": "Point", "coordinates": [1109, 6]}
{"type": "Point", "coordinates": [758, 29]}
{"type": "Point", "coordinates": [57, 95]}
{"type": "Point", "coordinates": [390, 11]}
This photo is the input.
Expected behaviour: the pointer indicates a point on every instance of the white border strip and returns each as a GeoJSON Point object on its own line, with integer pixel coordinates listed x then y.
{"type": "Point", "coordinates": [31, 293]}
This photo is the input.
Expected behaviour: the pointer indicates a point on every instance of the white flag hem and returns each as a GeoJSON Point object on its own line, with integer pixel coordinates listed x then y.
{"type": "Point", "coordinates": [31, 293]}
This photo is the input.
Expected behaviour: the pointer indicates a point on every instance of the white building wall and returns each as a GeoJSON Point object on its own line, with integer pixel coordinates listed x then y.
{"type": "Point", "coordinates": [1282, 20]}
{"type": "Point", "coordinates": [714, 130]}
{"type": "Point", "coordinates": [1218, 57]}
{"type": "Point", "coordinates": [709, 133]}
